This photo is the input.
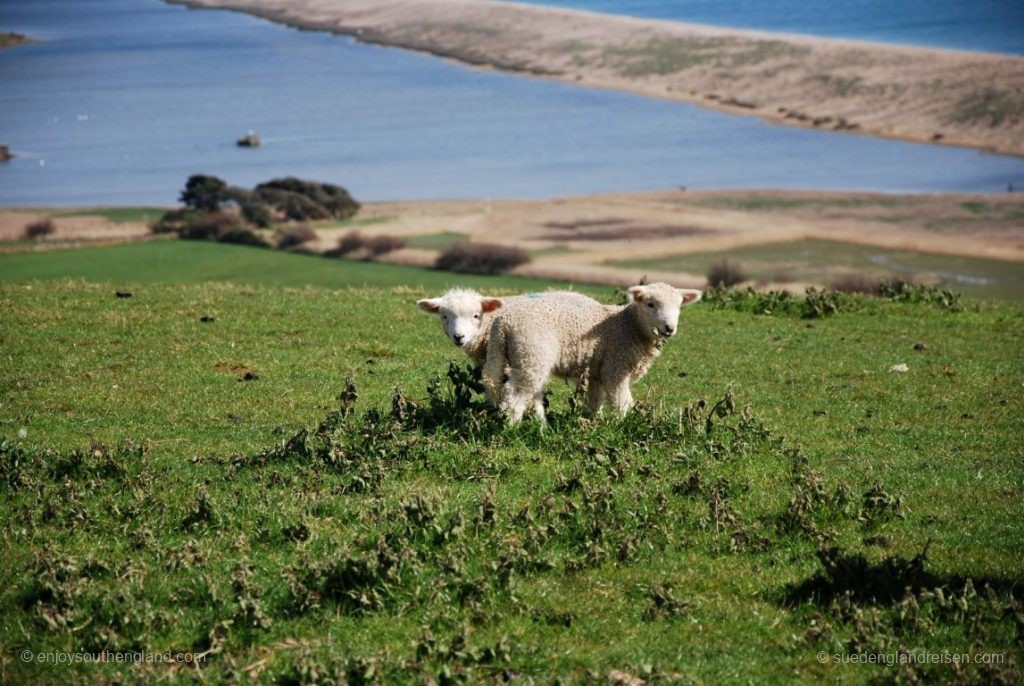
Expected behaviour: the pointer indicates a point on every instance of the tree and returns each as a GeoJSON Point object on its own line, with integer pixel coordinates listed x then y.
{"type": "Point", "coordinates": [206, 193]}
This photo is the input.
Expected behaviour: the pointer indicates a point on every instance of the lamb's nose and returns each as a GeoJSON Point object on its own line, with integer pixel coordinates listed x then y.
{"type": "Point", "coordinates": [669, 330]}
{"type": "Point", "coordinates": [458, 338]}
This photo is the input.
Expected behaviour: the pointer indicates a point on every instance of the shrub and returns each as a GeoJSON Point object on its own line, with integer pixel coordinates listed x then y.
{"type": "Point", "coordinates": [481, 258]}
{"type": "Point", "coordinates": [205, 193]}
{"type": "Point", "coordinates": [348, 243]}
{"type": "Point", "coordinates": [39, 229]}
{"type": "Point", "coordinates": [174, 221]}
{"type": "Point", "coordinates": [242, 235]}
{"type": "Point", "coordinates": [872, 285]}
{"type": "Point", "coordinates": [257, 213]}
{"type": "Point", "coordinates": [370, 246]}
{"type": "Point", "coordinates": [304, 200]}
{"type": "Point", "coordinates": [725, 274]}
{"type": "Point", "coordinates": [300, 208]}
{"type": "Point", "coordinates": [379, 245]}
{"type": "Point", "coordinates": [295, 236]}
{"type": "Point", "coordinates": [209, 226]}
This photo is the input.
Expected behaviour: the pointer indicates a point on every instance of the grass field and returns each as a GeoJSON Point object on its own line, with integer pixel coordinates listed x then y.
{"type": "Point", "coordinates": [173, 261]}
{"type": "Point", "coordinates": [117, 215]}
{"type": "Point", "coordinates": [298, 531]}
{"type": "Point", "coordinates": [438, 241]}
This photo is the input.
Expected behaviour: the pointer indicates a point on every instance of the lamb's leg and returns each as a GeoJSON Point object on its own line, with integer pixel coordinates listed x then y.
{"type": "Point", "coordinates": [595, 397]}
{"type": "Point", "coordinates": [493, 373]}
{"type": "Point", "coordinates": [514, 400]}
{"type": "Point", "coordinates": [524, 389]}
{"type": "Point", "coordinates": [621, 397]}
{"type": "Point", "coordinates": [538, 407]}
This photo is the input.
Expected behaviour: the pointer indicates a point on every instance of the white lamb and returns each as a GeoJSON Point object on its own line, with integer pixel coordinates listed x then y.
{"type": "Point", "coordinates": [611, 347]}
{"type": "Point", "coordinates": [466, 315]}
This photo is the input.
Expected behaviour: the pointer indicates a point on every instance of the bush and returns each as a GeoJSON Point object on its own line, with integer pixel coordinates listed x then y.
{"type": "Point", "coordinates": [295, 236]}
{"type": "Point", "coordinates": [379, 245]}
{"type": "Point", "coordinates": [480, 258]}
{"type": "Point", "coordinates": [242, 235]}
{"type": "Point", "coordinates": [349, 243]}
{"type": "Point", "coordinates": [39, 229]}
{"type": "Point", "coordinates": [300, 208]}
{"type": "Point", "coordinates": [256, 213]}
{"type": "Point", "coordinates": [725, 274]}
{"type": "Point", "coordinates": [305, 200]}
{"type": "Point", "coordinates": [209, 226]}
{"type": "Point", "coordinates": [872, 285]}
{"type": "Point", "coordinates": [205, 193]}
{"type": "Point", "coordinates": [370, 246]}
{"type": "Point", "coordinates": [174, 221]}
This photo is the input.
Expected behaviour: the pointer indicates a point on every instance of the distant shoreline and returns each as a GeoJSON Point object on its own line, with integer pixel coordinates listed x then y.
{"type": "Point", "coordinates": [929, 95]}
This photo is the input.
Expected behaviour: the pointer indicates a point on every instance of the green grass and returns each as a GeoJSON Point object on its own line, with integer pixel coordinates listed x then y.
{"type": "Point", "coordinates": [354, 222]}
{"type": "Point", "coordinates": [172, 261]}
{"type": "Point", "coordinates": [437, 241]}
{"type": "Point", "coordinates": [818, 261]}
{"type": "Point", "coordinates": [413, 538]}
{"type": "Point", "coordinates": [117, 215]}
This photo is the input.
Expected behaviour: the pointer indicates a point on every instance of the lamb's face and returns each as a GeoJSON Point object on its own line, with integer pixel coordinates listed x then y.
{"type": "Point", "coordinates": [461, 314]}
{"type": "Point", "coordinates": [658, 304]}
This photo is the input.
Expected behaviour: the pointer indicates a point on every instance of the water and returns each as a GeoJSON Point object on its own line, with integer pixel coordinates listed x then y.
{"type": "Point", "coordinates": [984, 25]}
{"type": "Point", "coordinates": [123, 99]}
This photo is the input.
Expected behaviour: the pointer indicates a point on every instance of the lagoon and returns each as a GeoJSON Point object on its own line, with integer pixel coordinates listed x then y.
{"type": "Point", "coordinates": [120, 100]}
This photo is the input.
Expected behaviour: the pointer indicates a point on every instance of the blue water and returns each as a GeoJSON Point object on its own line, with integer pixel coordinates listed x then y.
{"type": "Point", "coordinates": [122, 100]}
{"type": "Point", "coordinates": [984, 25]}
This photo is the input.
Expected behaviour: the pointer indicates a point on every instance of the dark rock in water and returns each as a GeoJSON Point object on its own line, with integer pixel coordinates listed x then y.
{"type": "Point", "coordinates": [5, 153]}
{"type": "Point", "coordinates": [250, 140]}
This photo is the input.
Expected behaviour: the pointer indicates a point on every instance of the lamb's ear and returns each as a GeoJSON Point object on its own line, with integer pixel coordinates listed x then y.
{"type": "Point", "coordinates": [489, 304]}
{"type": "Point", "coordinates": [431, 305]}
{"type": "Point", "coordinates": [637, 293]}
{"type": "Point", "coordinates": [690, 295]}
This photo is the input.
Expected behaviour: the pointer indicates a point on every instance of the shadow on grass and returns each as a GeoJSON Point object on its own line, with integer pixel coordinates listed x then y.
{"type": "Point", "coordinates": [889, 581]}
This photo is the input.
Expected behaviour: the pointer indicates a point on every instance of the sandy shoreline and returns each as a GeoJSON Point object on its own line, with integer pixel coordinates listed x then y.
{"type": "Point", "coordinates": [930, 95]}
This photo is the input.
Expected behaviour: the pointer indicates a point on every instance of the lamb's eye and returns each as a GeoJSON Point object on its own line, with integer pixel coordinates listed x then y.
{"type": "Point", "coordinates": [650, 305]}
{"type": "Point", "coordinates": [476, 316]}
{"type": "Point", "coordinates": [444, 317]}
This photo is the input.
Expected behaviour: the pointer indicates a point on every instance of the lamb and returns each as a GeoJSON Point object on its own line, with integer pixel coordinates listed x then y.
{"type": "Point", "coordinates": [611, 347]}
{"type": "Point", "coordinates": [466, 315]}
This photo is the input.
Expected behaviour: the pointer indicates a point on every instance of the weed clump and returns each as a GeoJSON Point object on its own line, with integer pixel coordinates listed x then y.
{"type": "Point", "coordinates": [819, 303]}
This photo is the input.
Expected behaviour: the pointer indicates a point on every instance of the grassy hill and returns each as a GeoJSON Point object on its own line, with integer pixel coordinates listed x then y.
{"type": "Point", "coordinates": [169, 483]}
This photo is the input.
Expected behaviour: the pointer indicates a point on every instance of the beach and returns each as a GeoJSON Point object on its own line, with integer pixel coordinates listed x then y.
{"type": "Point", "coordinates": [947, 97]}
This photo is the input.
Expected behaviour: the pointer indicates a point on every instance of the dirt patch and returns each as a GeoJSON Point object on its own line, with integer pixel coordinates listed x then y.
{"type": "Point", "coordinates": [69, 229]}
{"type": "Point", "coordinates": [241, 371]}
